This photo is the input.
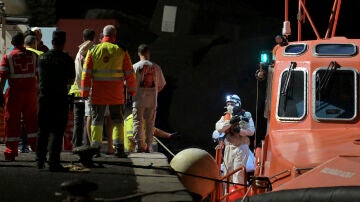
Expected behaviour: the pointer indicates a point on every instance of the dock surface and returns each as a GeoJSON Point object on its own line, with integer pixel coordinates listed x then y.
{"type": "Point", "coordinates": [144, 177]}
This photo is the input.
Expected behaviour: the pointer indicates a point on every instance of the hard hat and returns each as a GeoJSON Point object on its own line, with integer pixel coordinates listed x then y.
{"type": "Point", "coordinates": [235, 99]}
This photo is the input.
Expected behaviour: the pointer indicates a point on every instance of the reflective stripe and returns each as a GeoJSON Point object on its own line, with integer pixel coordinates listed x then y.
{"type": "Point", "coordinates": [13, 75]}
{"type": "Point", "coordinates": [129, 132]}
{"type": "Point", "coordinates": [21, 76]}
{"type": "Point", "coordinates": [108, 74]}
{"type": "Point", "coordinates": [2, 68]}
{"type": "Point", "coordinates": [32, 135]}
{"type": "Point", "coordinates": [107, 71]}
{"type": "Point", "coordinates": [12, 139]}
{"type": "Point", "coordinates": [108, 78]}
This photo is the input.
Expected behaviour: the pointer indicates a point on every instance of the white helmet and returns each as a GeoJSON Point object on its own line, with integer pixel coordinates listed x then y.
{"type": "Point", "coordinates": [235, 99]}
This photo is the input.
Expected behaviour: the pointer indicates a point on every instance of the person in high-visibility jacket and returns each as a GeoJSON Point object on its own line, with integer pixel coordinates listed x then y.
{"type": "Point", "coordinates": [19, 67]}
{"type": "Point", "coordinates": [79, 104]}
{"type": "Point", "coordinates": [107, 66]}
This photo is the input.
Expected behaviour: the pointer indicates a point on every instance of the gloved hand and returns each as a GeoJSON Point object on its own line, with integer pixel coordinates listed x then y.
{"type": "Point", "coordinates": [245, 119]}
{"type": "Point", "coordinates": [235, 119]}
{"type": "Point", "coordinates": [2, 100]}
{"type": "Point", "coordinates": [236, 110]}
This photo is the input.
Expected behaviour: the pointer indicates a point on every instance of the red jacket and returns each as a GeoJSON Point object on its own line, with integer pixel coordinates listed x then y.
{"type": "Point", "coordinates": [20, 68]}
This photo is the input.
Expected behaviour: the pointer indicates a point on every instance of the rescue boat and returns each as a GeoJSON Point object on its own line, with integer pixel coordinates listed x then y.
{"type": "Point", "coordinates": [311, 150]}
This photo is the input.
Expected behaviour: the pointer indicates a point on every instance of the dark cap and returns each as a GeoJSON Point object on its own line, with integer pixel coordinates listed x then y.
{"type": "Point", "coordinates": [88, 34]}
{"type": "Point", "coordinates": [59, 37]}
{"type": "Point", "coordinates": [17, 39]}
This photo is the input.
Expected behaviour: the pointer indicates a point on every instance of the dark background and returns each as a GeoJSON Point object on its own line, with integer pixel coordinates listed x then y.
{"type": "Point", "coordinates": [213, 52]}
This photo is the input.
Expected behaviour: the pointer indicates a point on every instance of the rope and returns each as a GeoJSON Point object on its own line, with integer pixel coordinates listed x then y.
{"type": "Point", "coordinates": [168, 150]}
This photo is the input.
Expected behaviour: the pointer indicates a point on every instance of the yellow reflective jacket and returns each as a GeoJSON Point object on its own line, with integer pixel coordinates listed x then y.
{"type": "Point", "coordinates": [106, 68]}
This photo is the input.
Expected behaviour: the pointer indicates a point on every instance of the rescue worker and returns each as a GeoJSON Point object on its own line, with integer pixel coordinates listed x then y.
{"type": "Point", "coordinates": [56, 73]}
{"type": "Point", "coordinates": [106, 68]}
{"type": "Point", "coordinates": [19, 67]}
{"type": "Point", "coordinates": [30, 44]}
{"type": "Point", "coordinates": [150, 81]}
{"type": "Point", "coordinates": [237, 125]}
{"type": "Point", "coordinates": [79, 104]}
{"type": "Point", "coordinates": [107, 124]}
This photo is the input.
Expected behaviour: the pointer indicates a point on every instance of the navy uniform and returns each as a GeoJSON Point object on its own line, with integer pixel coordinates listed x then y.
{"type": "Point", "coordinates": [56, 73]}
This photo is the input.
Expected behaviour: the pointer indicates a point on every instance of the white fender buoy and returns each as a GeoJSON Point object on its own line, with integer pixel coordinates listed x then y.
{"type": "Point", "coordinates": [196, 162]}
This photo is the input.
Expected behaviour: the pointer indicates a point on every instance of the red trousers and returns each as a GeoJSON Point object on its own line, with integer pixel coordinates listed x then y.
{"type": "Point", "coordinates": [19, 104]}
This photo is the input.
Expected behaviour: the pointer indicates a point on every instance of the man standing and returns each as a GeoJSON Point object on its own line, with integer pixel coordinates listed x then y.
{"type": "Point", "coordinates": [106, 68]}
{"type": "Point", "coordinates": [20, 68]}
{"type": "Point", "coordinates": [79, 104]}
{"type": "Point", "coordinates": [30, 44]}
{"type": "Point", "coordinates": [150, 81]}
{"type": "Point", "coordinates": [56, 73]}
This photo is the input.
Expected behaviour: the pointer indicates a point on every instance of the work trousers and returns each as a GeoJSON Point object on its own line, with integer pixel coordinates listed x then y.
{"type": "Point", "coordinates": [97, 123]}
{"type": "Point", "coordinates": [235, 157]}
{"type": "Point", "coordinates": [146, 116]}
{"type": "Point", "coordinates": [53, 116]}
{"type": "Point", "coordinates": [79, 116]}
{"type": "Point", "coordinates": [17, 105]}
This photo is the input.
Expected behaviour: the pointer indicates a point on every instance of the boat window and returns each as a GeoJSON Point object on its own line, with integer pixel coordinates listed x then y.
{"type": "Point", "coordinates": [292, 101]}
{"type": "Point", "coordinates": [335, 49]}
{"type": "Point", "coordinates": [336, 100]}
{"type": "Point", "coordinates": [295, 49]}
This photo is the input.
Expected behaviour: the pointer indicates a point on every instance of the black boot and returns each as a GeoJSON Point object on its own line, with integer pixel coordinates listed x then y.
{"type": "Point", "coordinates": [119, 151]}
{"type": "Point", "coordinates": [57, 167]}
